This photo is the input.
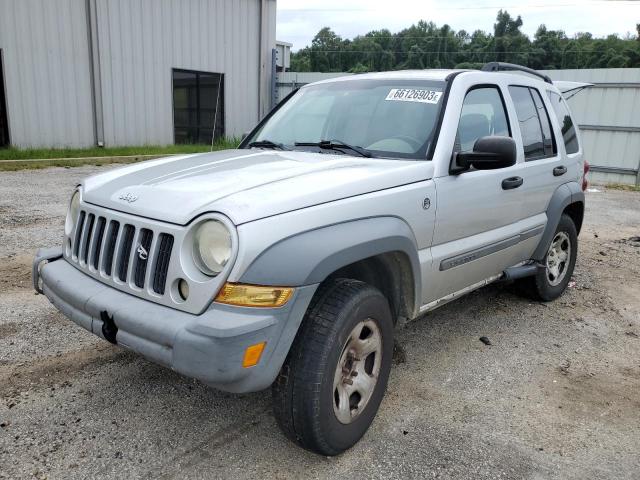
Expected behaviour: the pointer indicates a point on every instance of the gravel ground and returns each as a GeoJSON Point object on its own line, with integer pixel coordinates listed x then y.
{"type": "Point", "coordinates": [556, 395]}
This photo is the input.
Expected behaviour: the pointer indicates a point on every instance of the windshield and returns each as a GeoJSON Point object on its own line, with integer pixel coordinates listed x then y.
{"type": "Point", "coordinates": [388, 118]}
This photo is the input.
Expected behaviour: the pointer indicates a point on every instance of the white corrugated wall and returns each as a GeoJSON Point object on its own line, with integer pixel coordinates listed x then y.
{"type": "Point", "coordinates": [288, 81]}
{"type": "Point", "coordinates": [141, 41]}
{"type": "Point", "coordinates": [46, 68]}
{"type": "Point", "coordinates": [609, 116]}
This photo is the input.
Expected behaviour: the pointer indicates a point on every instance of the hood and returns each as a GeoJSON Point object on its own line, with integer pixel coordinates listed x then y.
{"type": "Point", "coordinates": [244, 184]}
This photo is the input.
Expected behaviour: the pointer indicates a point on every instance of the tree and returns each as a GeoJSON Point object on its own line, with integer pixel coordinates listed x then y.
{"type": "Point", "coordinates": [425, 45]}
{"type": "Point", "coordinates": [325, 51]}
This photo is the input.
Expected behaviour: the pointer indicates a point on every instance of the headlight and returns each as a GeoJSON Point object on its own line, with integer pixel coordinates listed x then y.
{"type": "Point", "coordinates": [72, 213]}
{"type": "Point", "coordinates": [212, 247]}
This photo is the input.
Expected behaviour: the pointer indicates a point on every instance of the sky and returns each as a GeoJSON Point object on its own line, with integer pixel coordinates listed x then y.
{"type": "Point", "coordinates": [300, 20]}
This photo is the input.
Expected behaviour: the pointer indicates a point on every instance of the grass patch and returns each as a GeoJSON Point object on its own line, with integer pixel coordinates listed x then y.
{"type": "Point", "coordinates": [42, 153]}
{"type": "Point", "coordinates": [622, 186]}
{"type": "Point", "coordinates": [10, 158]}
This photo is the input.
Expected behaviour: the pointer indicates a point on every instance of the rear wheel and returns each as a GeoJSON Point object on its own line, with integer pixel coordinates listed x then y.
{"type": "Point", "coordinates": [331, 385]}
{"type": "Point", "coordinates": [554, 275]}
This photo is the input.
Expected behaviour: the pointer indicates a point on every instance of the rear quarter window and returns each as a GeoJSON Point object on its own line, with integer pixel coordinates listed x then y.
{"type": "Point", "coordinates": [565, 121]}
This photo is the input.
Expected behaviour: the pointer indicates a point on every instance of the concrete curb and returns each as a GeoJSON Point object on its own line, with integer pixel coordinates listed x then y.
{"type": "Point", "coordinates": [114, 159]}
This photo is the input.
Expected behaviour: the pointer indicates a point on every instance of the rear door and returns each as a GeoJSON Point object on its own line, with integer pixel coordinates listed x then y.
{"type": "Point", "coordinates": [546, 166]}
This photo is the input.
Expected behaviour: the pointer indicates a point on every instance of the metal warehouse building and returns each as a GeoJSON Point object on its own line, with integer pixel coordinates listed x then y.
{"type": "Point", "coordinates": [78, 73]}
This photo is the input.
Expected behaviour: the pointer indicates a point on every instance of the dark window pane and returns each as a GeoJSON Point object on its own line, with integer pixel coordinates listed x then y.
{"type": "Point", "coordinates": [544, 122]}
{"type": "Point", "coordinates": [566, 123]}
{"type": "Point", "coordinates": [530, 129]}
{"type": "Point", "coordinates": [482, 115]}
{"type": "Point", "coordinates": [184, 117]}
{"type": "Point", "coordinates": [4, 126]}
{"type": "Point", "coordinates": [198, 106]}
{"type": "Point", "coordinates": [204, 135]}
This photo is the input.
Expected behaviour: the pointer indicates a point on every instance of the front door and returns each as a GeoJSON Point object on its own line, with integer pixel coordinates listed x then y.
{"type": "Point", "coordinates": [478, 219]}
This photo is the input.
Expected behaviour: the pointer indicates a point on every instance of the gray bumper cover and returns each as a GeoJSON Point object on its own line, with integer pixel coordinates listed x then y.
{"type": "Point", "coordinates": [209, 346]}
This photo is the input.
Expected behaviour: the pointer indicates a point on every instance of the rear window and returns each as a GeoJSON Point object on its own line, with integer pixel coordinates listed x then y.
{"type": "Point", "coordinates": [536, 133]}
{"type": "Point", "coordinates": [566, 123]}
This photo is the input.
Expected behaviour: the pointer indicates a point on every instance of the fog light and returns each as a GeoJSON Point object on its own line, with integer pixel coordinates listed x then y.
{"type": "Point", "coordinates": [183, 289]}
{"type": "Point", "coordinates": [252, 355]}
{"type": "Point", "coordinates": [253, 295]}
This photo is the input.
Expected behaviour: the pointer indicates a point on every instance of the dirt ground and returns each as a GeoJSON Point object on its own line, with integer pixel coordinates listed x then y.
{"type": "Point", "coordinates": [556, 395]}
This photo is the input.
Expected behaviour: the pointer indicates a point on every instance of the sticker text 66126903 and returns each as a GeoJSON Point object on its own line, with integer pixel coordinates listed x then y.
{"type": "Point", "coordinates": [413, 95]}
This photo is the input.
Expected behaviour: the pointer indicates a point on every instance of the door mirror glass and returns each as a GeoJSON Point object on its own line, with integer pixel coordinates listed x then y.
{"type": "Point", "coordinates": [488, 153]}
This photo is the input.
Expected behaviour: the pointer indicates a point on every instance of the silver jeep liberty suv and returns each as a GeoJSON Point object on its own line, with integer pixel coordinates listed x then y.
{"type": "Point", "coordinates": [356, 203]}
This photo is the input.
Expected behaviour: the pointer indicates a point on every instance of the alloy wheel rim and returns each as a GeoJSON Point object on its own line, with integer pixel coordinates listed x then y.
{"type": "Point", "coordinates": [558, 258]}
{"type": "Point", "coordinates": [357, 371]}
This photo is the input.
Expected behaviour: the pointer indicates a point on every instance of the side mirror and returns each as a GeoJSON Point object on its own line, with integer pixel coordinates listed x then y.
{"type": "Point", "coordinates": [488, 153]}
{"type": "Point", "coordinates": [244, 135]}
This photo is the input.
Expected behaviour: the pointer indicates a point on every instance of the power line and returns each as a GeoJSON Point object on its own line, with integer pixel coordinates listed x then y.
{"type": "Point", "coordinates": [444, 51]}
{"type": "Point", "coordinates": [478, 7]}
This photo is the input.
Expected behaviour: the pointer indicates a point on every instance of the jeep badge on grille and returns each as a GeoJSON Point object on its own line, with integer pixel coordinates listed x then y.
{"type": "Point", "coordinates": [128, 197]}
{"type": "Point", "coordinates": [142, 253]}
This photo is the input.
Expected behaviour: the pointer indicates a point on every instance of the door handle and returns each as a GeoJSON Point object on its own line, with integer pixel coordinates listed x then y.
{"type": "Point", "coordinates": [512, 182]}
{"type": "Point", "coordinates": [561, 170]}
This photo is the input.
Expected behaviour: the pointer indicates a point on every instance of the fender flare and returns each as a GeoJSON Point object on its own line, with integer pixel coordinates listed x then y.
{"type": "Point", "coordinates": [310, 257]}
{"type": "Point", "coordinates": [566, 194]}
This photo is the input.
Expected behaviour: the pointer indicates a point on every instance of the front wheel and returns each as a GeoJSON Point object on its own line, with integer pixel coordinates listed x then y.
{"type": "Point", "coordinates": [333, 380]}
{"type": "Point", "coordinates": [554, 275]}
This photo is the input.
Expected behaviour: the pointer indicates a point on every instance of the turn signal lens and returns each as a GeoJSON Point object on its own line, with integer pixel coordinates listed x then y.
{"type": "Point", "coordinates": [252, 355]}
{"type": "Point", "coordinates": [253, 295]}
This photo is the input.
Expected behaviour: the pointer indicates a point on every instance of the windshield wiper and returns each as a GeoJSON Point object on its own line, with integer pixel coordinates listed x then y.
{"type": "Point", "coordinates": [268, 144]}
{"type": "Point", "coordinates": [338, 145]}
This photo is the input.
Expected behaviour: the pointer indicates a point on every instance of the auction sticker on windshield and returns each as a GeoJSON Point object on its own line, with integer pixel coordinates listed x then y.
{"type": "Point", "coordinates": [414, 95]}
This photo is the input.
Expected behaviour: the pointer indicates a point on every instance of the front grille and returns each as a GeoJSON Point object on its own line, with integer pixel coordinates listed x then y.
{"type": "Point", "coordinates": [98, 242]}
{"type": "Point", "coordinates": [142, 258]}
{"type": "Point", "coordinates": [162, 263]}
{"type": "Point", "coordinates": [111, 247]}
{"type": "Point", "coordinates": [87, 237]}
{"type": "Point", "coordinates": [121, 251]}
{"type": "Point", "coordinates": [125, 252]}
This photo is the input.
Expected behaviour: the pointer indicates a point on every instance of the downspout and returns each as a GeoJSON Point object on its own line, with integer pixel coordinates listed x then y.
{"type": "Point", "coordinates": [262, 67]}
{"type": "Point", "coordinates": [94, 72]}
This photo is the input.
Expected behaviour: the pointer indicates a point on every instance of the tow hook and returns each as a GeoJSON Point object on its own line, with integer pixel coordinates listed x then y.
{"type": "Point", "coordinates": [109, 328]}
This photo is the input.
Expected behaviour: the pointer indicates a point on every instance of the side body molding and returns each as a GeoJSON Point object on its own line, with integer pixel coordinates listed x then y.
{"type": "Point", "coordinates": [310, 257]}
{"type": "Point", "coordinates": [565, 194]}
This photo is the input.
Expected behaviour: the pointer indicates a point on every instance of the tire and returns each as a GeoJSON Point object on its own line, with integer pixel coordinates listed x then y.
{"type": "Point", "coordinates": [309, 389]}
{"type": "Point", "coordinates": [548, 284]}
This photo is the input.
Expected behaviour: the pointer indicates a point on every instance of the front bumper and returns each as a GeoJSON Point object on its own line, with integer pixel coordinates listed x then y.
{"type": "Point", "coordinates": [209, 346]}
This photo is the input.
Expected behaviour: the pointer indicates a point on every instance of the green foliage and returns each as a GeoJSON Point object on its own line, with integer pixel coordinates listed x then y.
{"type": "Point", "coordinates": [425, 45]}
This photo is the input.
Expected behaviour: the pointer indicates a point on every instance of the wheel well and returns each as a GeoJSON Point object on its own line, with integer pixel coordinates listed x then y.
{"type": "Point", "coordinates": [390, 273]}
{"type": "Point", "coordinates": [576, 212]}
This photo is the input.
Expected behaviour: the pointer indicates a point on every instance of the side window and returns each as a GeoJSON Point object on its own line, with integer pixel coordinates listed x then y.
{"type": "Point", "coordinates": [545, 123]}
{"type": "Point", "coordinates": [566, 123]}
{"type": "Point", "coordinates": [483, 114]}
{"type": "Point", "coordinates": [530, 128]}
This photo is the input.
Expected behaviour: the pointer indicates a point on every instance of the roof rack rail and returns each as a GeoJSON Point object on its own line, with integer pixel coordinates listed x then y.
{"type": "Point", "coordinates": [501, 66]}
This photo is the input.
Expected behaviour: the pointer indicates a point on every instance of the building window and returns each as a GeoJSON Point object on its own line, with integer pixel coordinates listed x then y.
{"type": "Point", "coordinates": [198, 106]}
{"type": "Point", "coordinates": [4, 124]}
